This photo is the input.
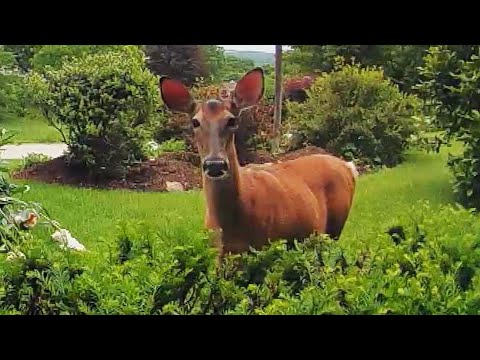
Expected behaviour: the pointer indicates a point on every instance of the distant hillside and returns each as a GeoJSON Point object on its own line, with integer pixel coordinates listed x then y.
{"type": "Point", "coordinates": [258, 57]}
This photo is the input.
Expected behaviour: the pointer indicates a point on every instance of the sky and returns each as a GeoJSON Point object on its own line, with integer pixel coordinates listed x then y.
{"type": "Point", "coordinates": [266, 48]}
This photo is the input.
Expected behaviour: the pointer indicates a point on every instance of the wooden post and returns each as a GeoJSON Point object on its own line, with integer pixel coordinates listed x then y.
{"type": "Point", "coordinates": [277, 117]}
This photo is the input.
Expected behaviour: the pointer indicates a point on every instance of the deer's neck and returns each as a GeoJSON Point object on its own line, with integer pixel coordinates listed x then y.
{"type": "Point", "coordinates": [223, 195]}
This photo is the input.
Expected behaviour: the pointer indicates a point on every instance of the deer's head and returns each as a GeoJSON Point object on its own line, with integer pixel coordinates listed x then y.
{"type": "Point", "coordinates": [214, 121]}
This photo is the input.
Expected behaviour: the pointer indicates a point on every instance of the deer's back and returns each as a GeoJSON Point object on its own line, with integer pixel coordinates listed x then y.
{"type": "Point", "coordinates": [291, 199]}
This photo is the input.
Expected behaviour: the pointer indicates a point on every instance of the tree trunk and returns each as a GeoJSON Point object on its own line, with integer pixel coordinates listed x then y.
{"type": "Point", "coordinates": [277, 117]}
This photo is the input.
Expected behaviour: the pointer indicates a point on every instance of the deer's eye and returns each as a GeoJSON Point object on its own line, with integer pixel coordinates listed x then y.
{"type": "Point", "coordinates": [232, 122]}
{"type": "Point", "coordinates": [195, 123]}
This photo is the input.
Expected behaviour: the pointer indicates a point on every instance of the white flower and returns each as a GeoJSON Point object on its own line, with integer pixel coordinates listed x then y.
{"type": "Point", "coordinates": [13, 255]}
{"type": "Point", "coordinates": [66, 240]}
{"type": "Point", "coordinates": [18, 219]}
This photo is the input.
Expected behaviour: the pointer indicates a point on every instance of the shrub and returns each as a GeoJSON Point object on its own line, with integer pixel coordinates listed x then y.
{"type": "Point", "coordinates": [451, 80]}
{"type": "Point", "coordinates": [424, 263]}
{"type": "Point", "coordinates": [108, 102]}
{"type": "Point", "coordinates": [356, 113]}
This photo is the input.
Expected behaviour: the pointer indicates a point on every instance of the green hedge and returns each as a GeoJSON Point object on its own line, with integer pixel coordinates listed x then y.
{"type": "Point", "coordinates": [425, 263]}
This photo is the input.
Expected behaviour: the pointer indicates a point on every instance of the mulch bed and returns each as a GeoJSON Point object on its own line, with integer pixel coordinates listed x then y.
{"type": "Point", "coordinates": [151, 175]}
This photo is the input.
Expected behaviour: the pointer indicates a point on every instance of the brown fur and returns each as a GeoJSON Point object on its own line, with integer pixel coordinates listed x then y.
{"type": "Point", "coordinates": [252, 205]}
{"type": "Point", "coordinates": [291, 200]}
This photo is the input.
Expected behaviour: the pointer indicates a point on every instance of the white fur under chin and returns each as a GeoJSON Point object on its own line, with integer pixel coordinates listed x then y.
{"type": "Point", "coordinates": [353, 169]}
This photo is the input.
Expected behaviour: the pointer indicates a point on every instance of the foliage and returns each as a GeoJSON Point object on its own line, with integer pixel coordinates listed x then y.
{"type": "Point", "coordinates": [6, 65]}
{"type": "Point", "coordinates": [452, 82]}
{"type": "Point", "coordinates": [259, 58]}
{"type": "Point", "coordinates": [183, 62]}
{"type": "Point", "coordinates": [269, 83]}
{"type": "Point", "coordinates": [356, 113]}
{"type": "Point", "coordinates": [172, 145]}
{"type": "Point", "coordinates": [53, 56]}
{"type": "Point", "coordinates": [12, 97]}
{"type": "Point", "coordinates": [17, 216]}
{"type": "Point", "coordinates": [23, 55]}
{"type": "Point", "coordinates": [400, 62]}
{"type": "Point", "coordinates": [107, 102]}
{"type": "Point", "coordinates": [214, 56]}
{"type": "Point", "coordinates": [235, 68]}
{"type": "Point", "coordinates": [224, 67]}
{"type": "Point", "coordinates": [32, 159]}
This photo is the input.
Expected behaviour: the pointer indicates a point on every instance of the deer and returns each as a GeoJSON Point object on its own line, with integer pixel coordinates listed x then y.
{"type": "Point", "coordinates": [248, 207]}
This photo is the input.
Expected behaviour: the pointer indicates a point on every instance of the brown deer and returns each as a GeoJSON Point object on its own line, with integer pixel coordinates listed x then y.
{"type": "Point", "coordinates": [249, 206]}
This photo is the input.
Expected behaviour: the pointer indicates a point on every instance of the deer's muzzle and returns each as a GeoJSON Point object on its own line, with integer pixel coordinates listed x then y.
{"type": "Point", "coordinates": [215, 167]}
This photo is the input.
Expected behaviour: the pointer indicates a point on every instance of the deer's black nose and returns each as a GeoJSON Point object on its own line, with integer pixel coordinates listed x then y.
{"type": "Point", "coordinates": [215, 167]}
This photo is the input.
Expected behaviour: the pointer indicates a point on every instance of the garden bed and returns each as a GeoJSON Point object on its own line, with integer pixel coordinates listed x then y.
{"type": "Point", "coordinates": [152, 175]}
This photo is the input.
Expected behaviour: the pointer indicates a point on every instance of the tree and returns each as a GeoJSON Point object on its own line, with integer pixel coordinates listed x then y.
{"type": "Point", "coordinates": [400, 62]}
{"type": "Point", "coordinates": [215, 58]}
{"type": "Point", "coordinates": [451, 83]}
{"type": "Point", "coordinates": [184, 62]}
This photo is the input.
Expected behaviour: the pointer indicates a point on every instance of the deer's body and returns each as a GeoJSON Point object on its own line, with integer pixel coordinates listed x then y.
{"type": "Point", "coordinates": [290, 200]}
{"type": "Point", "coordinates": [255, 204]}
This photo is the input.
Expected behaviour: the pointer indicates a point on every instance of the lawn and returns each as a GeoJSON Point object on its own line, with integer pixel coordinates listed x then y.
{"type": "Point", "coordinates": [93, 215]}
{"type": "Point", "coordinates": [33, 128]}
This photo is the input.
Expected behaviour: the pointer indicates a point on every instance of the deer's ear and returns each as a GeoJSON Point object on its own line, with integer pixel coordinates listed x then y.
{"type": "Point", "coordinates": [249, 89]}
{"type": "Point", "coordinates": [176, 96]}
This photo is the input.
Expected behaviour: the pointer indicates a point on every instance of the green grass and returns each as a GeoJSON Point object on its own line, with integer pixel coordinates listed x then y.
{"type": "Point", "coordinates": [383, 197]}
{"type": "Point", "coordinates": [92, 215]}
{"type": "Point", "coordinates": [33, 128]}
